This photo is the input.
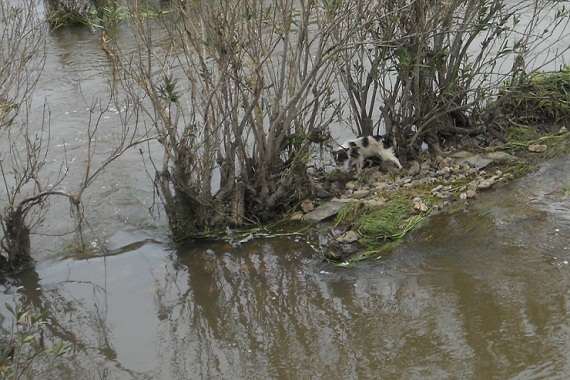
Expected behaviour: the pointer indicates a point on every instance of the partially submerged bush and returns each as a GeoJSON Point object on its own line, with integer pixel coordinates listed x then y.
{"type": "Point", "coordinates": [539, 99]}
{"type": "Point", "coordinates": [62, 13]}
{"type": "Point", "coordinates": [26, 346]}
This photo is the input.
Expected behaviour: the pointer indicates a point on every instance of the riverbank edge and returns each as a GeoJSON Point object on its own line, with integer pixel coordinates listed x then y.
{"type": "Point", "coordinates": [425, 187]}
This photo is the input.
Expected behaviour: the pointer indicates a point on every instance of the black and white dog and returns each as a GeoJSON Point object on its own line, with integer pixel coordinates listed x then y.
{"type": "Point", "coordinates": [358, 150]}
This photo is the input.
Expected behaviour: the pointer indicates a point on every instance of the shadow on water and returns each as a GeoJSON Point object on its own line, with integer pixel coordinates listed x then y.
{"type": "Point", "coordinates": [478, 294]}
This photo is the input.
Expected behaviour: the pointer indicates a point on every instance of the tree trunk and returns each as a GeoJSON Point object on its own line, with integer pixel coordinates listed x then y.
{"type": "Point", "coordinates": [16, 241]}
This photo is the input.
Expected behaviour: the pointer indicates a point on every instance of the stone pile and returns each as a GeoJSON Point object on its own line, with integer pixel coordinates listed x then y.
{"type": "Point", "coordinates": [459, 175]}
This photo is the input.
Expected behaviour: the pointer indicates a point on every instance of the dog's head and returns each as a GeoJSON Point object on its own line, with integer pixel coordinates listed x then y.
{"type": "Point", "coordinates": [340, 155]}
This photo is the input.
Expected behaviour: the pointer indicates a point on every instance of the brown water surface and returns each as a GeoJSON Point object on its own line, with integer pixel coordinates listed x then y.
{"type": "Point", "coordinates": [481, 294]}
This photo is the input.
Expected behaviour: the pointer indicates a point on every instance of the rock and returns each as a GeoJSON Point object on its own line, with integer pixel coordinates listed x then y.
{"type": "Point", "coordinates": [307, 206]}
{"type": "Point", "coordinates": [324, 212]}
{"type": "Point", "coordinates": [350, 186]}
{"type": "Point", "coordinates": [537, 148]}
{"type": "Point", "coordinates": [485, 184]}
{"type": "Point", "coordinates": [374, 202]}
{"type": "Point", "coordinates": [473, 184]}
{"type": "Point", "coordinates": [297, 216]}
{"type": "Point", "coordinates": [359, 194]}
{"type": "Point", "coordinates": [443, 205]}
{"type": "Point", "coordinates": [501, 157]}
{"type": "Point", "coordinates": [469, 194]}
{"type": "Point", "coordinates": [563, 130]}
{"type": "Point", "coordinates": [414, 169]}
{"type": "Point", "coordinates": [427, 180]}
{"type": "Point", "coordinates": [379, 186]}
{"type": "Point", "coordinates": [443, 171]}
{"type": "Point", "coordinates": [420, 205]}
{"type": "Point", "coordinates": [437, 189]}
{"type": "Point", "coordinates": [445, 195]}
{"type": "Point", "coordinates": [336, 187]}
{"type": "Point", "coordinates": [439, 162]}
{"type": "Point", "coordinates": [349, 237]}
{"type": "Point", "coordinates": [474, 161]}
{"type": "Point", "coordinates": [425, 167]}
{"type": "Point", "coordinates": [323, 194]}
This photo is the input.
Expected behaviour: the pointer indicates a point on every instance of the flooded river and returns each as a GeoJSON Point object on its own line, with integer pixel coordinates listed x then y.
{"type": "Point", "coordinates": [481, 294]}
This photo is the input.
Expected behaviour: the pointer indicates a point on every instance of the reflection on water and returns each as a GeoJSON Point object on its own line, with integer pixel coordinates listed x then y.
{"type": "Point", "coordinates": [481, 294]}
{"type": "Point", "coordinates": [473, 295]}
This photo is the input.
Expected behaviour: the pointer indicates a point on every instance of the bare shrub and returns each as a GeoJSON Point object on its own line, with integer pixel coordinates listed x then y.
{"type": "Point", "coordinates": [431, 67]}
{"type": "Point", "coordinates": [25, 143]}
{"type": "Point", "coordinates": [237, 93]}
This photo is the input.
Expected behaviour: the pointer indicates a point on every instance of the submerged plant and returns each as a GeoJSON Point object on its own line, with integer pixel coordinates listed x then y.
{"type": "Point", "coordinates": [26, 343]}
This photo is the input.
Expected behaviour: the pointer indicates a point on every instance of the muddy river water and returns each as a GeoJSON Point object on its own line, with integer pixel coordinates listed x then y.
{"type": "Point", "coordinates": [481, 294]}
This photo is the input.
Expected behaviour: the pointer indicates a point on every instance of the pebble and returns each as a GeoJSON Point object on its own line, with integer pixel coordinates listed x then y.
{"type": "Point", "coordinates": [469, 194]}
{"type": "Point", "coordinates": [457, 167]}
{"type": "Point", "coordinates": [307, 206]}
{"type": "Point", "coordinates": [350, 186]}
{"type": "Point", "coordinates": [438, 174]}
{"type": "Point", "coordinates": [297, 216]}
{"type": "Point", "coordinates": [323, 194]}
{"type": "Point", "coordinates": [420, 205]}
{"type": "Point", "coordinates": [445, 195]}
{"type": "Point", "coordinates": [537, 148]}
{"type": "Point", "coordinates": [359, 194]}
{"type": "Point", "coordinates": [425, 166]}
{"type": "Point", "coordinates": [380, 186]}
{"type": "Point", "coordinates": [485, 184]}
{"type": "Point", "coordinates": [348, 237]}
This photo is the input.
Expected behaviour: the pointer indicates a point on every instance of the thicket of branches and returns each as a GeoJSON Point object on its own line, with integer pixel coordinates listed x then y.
{"type": "Point", "coordinates": [431, 69]}
{"type": "Point", "coordinates": [238, 93]}
{"type": "Point", "coordinates": [25, 144]}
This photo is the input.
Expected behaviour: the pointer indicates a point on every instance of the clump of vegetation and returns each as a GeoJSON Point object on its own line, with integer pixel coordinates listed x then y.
{"type": "Point", "coordinates": [63, 13]}
{"type": "Point", "coordinates": [26, 344]}
{"type": "Point", "coordinates": [541, 99]}
{"type": "Point", "coordinates": [534, 110]}
{"type": "Point", "coordinates": [380, 227]}
{"type": "Point", "coordinates": [67, 13]}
